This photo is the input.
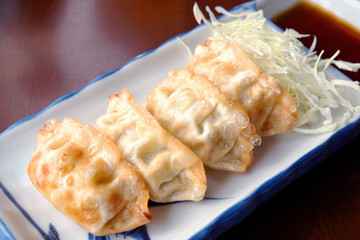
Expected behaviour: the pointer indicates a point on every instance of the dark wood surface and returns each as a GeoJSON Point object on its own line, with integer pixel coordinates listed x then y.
{"type": "Point", "coordinates": [50, 48]}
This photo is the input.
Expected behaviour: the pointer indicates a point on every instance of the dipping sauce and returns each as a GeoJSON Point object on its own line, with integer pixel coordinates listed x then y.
{"type": "Point", "coordinates": [331, 32]}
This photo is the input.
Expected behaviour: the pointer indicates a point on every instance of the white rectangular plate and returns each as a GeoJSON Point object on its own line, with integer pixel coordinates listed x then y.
{"type": "Point", "coordinates": [26, 214]}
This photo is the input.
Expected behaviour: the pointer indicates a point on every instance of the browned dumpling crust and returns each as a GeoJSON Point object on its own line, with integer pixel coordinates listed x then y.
{"type": "Point", "coordinates": [270, 106]}
{"type": "Point", "coordinates": [215, 127]}
{"type": "Point", "coordinates": [170, 169]}
{"type": "Point", "coordinates": [82, 173]}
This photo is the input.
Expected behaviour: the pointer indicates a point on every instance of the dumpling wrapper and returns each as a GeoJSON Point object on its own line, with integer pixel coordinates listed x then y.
{"type": "Point", "coordinates": [215, 127]}
{"type": "Point", "coordinates": [170, 169]}
{"type": "Point", "coordinates": [82, 173]}
{"type": "Point", "coordinates": [270, 106]}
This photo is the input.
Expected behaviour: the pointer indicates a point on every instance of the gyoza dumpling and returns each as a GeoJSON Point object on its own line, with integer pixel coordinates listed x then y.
{"type": "Point", "coordinates": [82, 173]}
{"type": "Point", "coordinates": [215, 127]}
{"type": "Point", "coordinates": [170, 169]}
{"type": "Point", "coordinates": [270, 106]}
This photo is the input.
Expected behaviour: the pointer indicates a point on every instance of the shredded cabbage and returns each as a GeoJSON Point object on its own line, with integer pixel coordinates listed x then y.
{"type": "Point", "coordinates": [320, 101]}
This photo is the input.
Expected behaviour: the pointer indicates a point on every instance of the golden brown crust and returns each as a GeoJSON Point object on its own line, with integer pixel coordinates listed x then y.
{"type": "Point", "coordinates": [82, 173]}
{"type": "Point", "coordinates": [215, 127]}
{"type": "Point", "coordinates": [282, 117]}
{"type": "Point", "coordinates": [270, 107]}
{"type": "Point", "coordinates": [170, 169]}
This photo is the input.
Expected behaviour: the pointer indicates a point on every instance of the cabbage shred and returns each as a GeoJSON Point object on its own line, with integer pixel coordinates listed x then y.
{"type": "Point", "coordinates": [321, 102]}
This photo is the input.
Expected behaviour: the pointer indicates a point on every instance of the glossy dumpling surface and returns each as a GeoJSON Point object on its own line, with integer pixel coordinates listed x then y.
{"type": "Point", "coordinates": [215, 127]}
{"type": "Point", "coordinates": [270, 106]}
{"type": "Point", "coordinates": [171, 170]}
{"type": "Point", "coordinates": [82, 173]}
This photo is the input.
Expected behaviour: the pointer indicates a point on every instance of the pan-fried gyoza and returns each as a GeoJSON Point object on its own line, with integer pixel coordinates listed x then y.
{"type": "Point", "coordinates": [170, 169]}
{"type": "Point", "coordinates": [83, 174]}
{"type": "Point", "coordinates": [215, 127]}
{"type": "Point", "coordinates": [270, 106]}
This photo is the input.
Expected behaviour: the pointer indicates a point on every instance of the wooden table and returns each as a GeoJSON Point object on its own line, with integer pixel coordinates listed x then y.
{"type": "Point", "coordinates": [50, 48]}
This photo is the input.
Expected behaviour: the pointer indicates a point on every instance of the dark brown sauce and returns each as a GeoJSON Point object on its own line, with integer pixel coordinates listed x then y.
{"type": "Point", "coordinates": [331, 32]}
